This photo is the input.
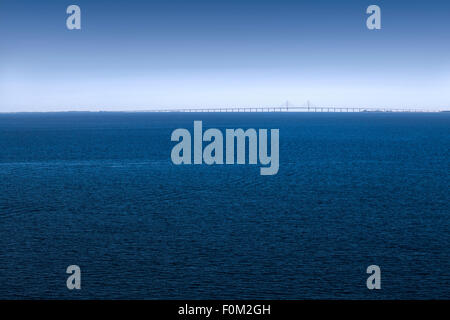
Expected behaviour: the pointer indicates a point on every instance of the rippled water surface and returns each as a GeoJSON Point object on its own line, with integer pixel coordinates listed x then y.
{"type": "Point", "coordinates": [99, 190]}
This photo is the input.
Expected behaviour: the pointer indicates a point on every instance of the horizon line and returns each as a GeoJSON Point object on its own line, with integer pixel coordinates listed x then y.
{"type": "Point", "coordinates": [298, 109]}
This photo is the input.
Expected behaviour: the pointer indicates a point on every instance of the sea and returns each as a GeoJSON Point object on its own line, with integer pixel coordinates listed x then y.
{"type": "Point", "coordinates": [99, 190]}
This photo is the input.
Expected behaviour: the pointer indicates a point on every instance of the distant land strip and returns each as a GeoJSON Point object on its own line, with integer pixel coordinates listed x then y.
{"type": "Point", "coordinates": [310, 108]}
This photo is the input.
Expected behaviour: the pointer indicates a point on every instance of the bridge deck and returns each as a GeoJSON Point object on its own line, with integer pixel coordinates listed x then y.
{"type": "Point", "coordinates": [295, 109]}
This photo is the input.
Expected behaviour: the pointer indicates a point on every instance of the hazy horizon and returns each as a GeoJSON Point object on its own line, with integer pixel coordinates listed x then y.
{"type": "Point", "coordinates": [136, 55]}
{"type": "Point", "coordinates": [243, 109]}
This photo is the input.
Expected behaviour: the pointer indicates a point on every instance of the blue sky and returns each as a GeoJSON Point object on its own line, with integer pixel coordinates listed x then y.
{"type": "Point", "coordinates": [135, 55]}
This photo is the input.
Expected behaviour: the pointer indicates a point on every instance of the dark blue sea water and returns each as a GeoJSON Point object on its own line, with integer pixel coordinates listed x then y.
{"type": "Point", "coordinates": [99, 190]}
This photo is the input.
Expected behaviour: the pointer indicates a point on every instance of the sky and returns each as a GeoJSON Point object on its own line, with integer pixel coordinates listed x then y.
{"type": "Point", "coordinates": [156, 54]}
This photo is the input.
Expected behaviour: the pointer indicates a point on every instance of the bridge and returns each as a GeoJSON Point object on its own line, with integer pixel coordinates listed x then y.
{"type": "Point", "coordinates": [296, 109]}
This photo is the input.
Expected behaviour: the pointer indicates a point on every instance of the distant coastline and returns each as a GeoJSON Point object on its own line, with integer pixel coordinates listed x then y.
{"type": "Point", "coordinates": [251, 110]}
